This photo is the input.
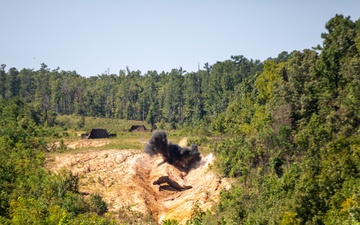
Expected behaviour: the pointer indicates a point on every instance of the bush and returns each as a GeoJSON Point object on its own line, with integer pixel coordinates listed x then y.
{"type": "Point", "coordinates": [199, 141]}
{"type": "Point", "coordinates": [170, 222]}
{"type": "Point", "coordinates": [98, 205]}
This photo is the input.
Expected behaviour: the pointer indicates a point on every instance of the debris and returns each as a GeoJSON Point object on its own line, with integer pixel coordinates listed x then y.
{"type": "Point", "coordinates": [172, 153]}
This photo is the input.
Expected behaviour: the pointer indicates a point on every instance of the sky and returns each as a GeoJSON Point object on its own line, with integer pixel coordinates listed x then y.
{"type": "Point", "coordinates": [94, 37]}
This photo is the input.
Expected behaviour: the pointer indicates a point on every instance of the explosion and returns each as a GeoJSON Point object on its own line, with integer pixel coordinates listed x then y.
{"type": "Point", "coordinates": [172, 153]}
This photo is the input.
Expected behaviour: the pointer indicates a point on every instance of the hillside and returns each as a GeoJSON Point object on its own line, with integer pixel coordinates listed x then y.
{"type": "Point", "coordinates": [124, 178]}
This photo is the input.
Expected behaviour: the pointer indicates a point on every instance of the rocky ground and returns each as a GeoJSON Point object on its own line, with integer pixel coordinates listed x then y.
{"type": "Point", "coordinates": [131, 179]}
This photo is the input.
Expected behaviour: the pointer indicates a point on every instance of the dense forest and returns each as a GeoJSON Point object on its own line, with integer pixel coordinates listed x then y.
{"type": "Point", "coordinates": [288, 129]}
{"type": "Point", "coordinates": [176, 97]}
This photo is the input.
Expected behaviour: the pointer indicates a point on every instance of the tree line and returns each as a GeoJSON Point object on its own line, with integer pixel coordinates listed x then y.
{"type": "Point", "coordinates": [174, 97]}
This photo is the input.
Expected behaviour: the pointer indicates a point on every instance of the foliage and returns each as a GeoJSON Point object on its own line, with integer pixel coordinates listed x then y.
{"type": "Point", "coordinates": [98, 204]}
{"type": "Point", "coordinates": [196, 217]}
{"type": "Point", "coordinates": [28, 193]}
{"type": "Point", "coordinates": [128, 216]}
{"type": "Point", "coordinates": [170, 222]}
{"type": "Point", "coordinates": [287, 129]}
{"type": "Point", "coordinates": [292, 138]}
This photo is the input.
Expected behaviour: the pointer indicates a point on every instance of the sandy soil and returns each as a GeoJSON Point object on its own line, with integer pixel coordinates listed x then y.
{"type": "Point", "coordinates": [124, 178]}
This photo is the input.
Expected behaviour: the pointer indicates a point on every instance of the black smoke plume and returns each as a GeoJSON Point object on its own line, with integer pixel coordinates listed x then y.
{"type": "Point", "coordinates": [172, 153]}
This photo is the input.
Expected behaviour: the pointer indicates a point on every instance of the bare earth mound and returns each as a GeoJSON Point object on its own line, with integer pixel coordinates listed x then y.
{"type": "Point", "coordinates": [131, 179]}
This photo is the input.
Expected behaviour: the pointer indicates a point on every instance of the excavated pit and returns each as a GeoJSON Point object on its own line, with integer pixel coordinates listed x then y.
{"type": "Point", "coordinates": [133, 180]}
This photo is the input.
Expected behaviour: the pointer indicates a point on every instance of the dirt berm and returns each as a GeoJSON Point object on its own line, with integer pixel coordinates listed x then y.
{"type": "Point", "coordinates": [131, 179]}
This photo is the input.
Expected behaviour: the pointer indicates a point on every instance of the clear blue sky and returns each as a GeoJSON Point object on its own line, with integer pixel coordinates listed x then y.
{"type": "Point", "coordinates": [91, 36]}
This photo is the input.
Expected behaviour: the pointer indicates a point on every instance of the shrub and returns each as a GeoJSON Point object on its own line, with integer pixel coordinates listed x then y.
{"type": "Point", "coordinates": [98, 205]}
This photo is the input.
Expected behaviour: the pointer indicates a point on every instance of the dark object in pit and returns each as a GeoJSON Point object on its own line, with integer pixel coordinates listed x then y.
{"type": "Point", "coordinates": [171, 185]}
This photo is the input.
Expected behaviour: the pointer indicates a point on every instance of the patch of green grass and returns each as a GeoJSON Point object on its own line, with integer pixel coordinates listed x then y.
{"type": "Point", "coordinates": [112, 125]}
{"type": "Point", "coordinates": [86, 124]}
{"type": "Point", "coordinates": [123, 139]}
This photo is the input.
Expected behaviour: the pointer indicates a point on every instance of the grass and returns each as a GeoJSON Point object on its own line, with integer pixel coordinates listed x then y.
{"type": "Point", "coordinates": [70, 128]}
{"type": "Point", "coordinates": [79, 123]}
{"type": "Point", "coordinates": [129, 140]}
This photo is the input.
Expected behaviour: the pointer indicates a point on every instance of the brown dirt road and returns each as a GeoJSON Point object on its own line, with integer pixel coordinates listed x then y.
{"type": "Point", "coordinates": [124, 178]}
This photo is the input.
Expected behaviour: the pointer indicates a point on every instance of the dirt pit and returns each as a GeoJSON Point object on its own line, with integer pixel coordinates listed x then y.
{"type": "Point", "coordinates": [131, 179]}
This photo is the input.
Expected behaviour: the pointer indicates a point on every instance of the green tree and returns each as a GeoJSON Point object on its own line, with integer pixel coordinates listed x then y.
{"type": "Point", "coordinates": [13, 82]}
{"type": "Point", "coordinates": [2, 81]}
